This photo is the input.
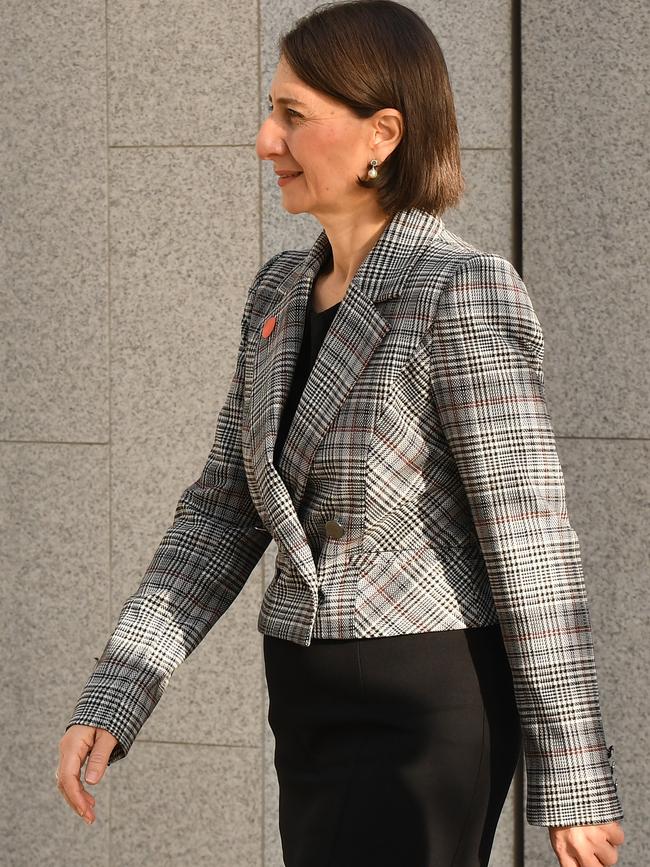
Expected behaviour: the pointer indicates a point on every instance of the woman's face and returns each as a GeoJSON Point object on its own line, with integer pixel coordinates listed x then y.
{"type": "Point", "coordinates": [314, 134]}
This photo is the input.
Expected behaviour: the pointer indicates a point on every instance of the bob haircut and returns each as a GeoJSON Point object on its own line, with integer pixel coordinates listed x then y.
{"type": "Point", "coordinates": [373, 54]}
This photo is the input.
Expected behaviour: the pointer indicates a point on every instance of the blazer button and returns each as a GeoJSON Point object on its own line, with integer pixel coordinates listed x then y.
{"type": "Point", "coordinates": [334, 528]}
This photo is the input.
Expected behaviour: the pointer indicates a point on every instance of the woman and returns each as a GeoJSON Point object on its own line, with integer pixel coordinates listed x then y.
{"type": "Point", "coordinates": [386, 425]}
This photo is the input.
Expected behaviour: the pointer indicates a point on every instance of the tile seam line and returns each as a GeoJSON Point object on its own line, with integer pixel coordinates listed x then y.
{"type": "Point", "coordinates": [260, 256]}
{"type": "Point", "coordinates": [518, 825]}
{"type": "Point", "coordinates": [109, 310]}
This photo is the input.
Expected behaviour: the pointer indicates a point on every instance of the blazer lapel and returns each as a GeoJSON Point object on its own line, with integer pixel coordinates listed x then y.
{"type": "Point", "coordinates": [353, 336]}
{"type": "Point", "coordinates": [274, 359]}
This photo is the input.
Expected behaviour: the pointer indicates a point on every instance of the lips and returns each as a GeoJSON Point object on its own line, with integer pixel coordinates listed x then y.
{"type": "Point", "coordinates": [288, 174]}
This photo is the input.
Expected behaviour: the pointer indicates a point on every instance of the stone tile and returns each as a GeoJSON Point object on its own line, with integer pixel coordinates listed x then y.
{"type": "Point", "coordinates": [54, 523]}
{"type": "Point", "coordinates": [54, 377]}
{"type": "Point", "coordinates": [484, 216]}
{"type": "Point", "coordinates": [272, 842]}
{"type": "Point", "coordinates": [268, 562]}
{"type": "Point", "coordinates": [585, 177]}
{"type": "Point", "coordinates": [185, 241]}
{"type": "Point", "coordinates": [600, 474]}
{"type": "Point", "coordinates": [538, 851]}
{"type": "Point", "coordinates": [183, 75]}
{"type": "Point", "coordinates": [593, 88]}
{"type": "Point", "coordinates": [187, 806]}
{"type": "Point", "coordinates": [53, 607]}
{"type": "Point", "coordinates": [475, 40]}
{"type": "Point", "coordinates": [587, 278]}
{"type": "Point", "coordinates": [503, 849]}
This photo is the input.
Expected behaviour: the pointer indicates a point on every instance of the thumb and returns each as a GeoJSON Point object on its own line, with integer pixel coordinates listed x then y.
{"type": "Point", "coordinates": [98, 758]}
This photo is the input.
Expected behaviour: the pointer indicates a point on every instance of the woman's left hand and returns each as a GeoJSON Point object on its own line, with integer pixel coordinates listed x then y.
{"type": "Point", "coordinates": [587, 845]}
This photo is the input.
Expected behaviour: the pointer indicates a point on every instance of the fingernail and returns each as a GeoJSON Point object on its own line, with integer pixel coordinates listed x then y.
{"type": "Point", "coordinates": [80, 811]}
{"type": "Point", "coordinates": [91, 777]}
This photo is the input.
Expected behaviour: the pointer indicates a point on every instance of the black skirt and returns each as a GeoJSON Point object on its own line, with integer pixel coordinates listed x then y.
{"type": "Point", "coordinates": [392, 752]}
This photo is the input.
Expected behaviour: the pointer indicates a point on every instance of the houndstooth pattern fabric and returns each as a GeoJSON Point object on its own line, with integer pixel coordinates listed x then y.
{"type": "Point", "coordinates": [423, 431]}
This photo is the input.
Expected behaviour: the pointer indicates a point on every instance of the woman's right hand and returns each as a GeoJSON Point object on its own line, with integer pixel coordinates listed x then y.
{"type": "Point", "coordinates": [75, 745]}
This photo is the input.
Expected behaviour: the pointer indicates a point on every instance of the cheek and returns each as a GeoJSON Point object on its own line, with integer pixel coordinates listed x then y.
{"type": "Point", "coordinates": [340, 148]}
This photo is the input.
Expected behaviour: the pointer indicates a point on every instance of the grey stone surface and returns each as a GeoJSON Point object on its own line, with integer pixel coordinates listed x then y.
{"type": "Point", "coordinates": [475, 39]}
{"type": "Point", "coordinates": [484, 216]}
{"type": "Point", "coordinates": [187, 806]}
{"type": "Point", "coordinates": [585, 179]}
{"type": "Point", "coordinates": [585, 77]}
{"type": "Point", "coordinates": [272, 842]}
{"type": "Point", "coordinates": [608, 501]}
{"type": "Point", "coordinates": [136, 217]}
{"type": "Point", "coordinates": [183, 225]}
{"type": "Point", "coordinates": [53, 604]}
{"type": "Point", "coordinates": [586, 269]}
{"type": "Point", "coordinates": [503, 851]}
{"type": "Point", "coordinates": [53, 329]}
{"type": "Point", "coordinates": [184, 74]}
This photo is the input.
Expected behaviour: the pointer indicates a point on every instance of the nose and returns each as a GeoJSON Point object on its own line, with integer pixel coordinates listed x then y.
{"type": "Point", "coordinates": [269, 142]}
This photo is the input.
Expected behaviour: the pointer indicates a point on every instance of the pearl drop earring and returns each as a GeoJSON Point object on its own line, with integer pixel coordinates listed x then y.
{"type": "Point", "coordinates": [372, 171]}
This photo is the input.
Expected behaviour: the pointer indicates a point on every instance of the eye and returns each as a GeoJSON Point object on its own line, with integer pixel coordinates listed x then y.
{"type": "Point", "coordinates": [290, 111]}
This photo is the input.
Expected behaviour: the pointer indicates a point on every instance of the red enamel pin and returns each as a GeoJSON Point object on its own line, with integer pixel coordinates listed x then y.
{"type": "Point", "coordinates": [268, 326]}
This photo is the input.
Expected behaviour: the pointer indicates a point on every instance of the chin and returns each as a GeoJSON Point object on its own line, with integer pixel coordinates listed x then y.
{"type": "Point", "coordinates": [293, 209]}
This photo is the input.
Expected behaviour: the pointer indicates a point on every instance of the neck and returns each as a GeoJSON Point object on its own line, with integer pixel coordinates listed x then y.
{"type": "Point", "coordinates": [351, 235]}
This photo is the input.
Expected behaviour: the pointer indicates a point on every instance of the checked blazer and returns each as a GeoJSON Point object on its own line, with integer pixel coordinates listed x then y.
{"type": "Point", "coordinates": [418, 489]}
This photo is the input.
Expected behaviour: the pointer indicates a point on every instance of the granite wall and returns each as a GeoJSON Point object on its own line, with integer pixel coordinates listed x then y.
{"type": "Point", "coordinates": [135, 214]}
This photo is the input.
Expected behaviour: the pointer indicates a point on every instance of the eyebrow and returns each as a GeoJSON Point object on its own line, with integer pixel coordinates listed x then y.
{"type": "Point", "coordinates": [286, 99]}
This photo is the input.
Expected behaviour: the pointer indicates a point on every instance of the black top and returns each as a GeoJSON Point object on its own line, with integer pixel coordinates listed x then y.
{"type": "Point", "coordinates": [316, 325]}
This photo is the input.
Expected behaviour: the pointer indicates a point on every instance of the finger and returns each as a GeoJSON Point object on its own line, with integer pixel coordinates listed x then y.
{"type": "Point", "coordinates": [98, 758]}
{"type": "Point", "coordinates": [90, 798]}
{"type": "Point", "coordinates": [65, 796]}
{"type": "Point", "coordinates": [607, 854]}
{"type": "Point", "coordinates": [70, 783]}
{"type": "Point", "coordinates": [70, 788]}
{"type": "Point", "coordinates": [616, 835]}
{"type": "Point", "coordinates": [88, 814]}
{"type": "Point", "coordinates": [586, 857]}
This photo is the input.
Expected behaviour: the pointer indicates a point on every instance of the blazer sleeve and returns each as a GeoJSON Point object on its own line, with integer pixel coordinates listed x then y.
{"type": "Point", "coordinates": [202, 562]}
{"type": "Point", "coordinates": [488, 385]}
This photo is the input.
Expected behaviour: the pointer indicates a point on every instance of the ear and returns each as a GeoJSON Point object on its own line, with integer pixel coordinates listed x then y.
{"type": "Point", "coordinates": [387, 128]}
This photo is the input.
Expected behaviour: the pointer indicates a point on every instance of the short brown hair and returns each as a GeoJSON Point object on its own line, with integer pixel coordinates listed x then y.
{"type": "Point", "coordinates": [373, 54]}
